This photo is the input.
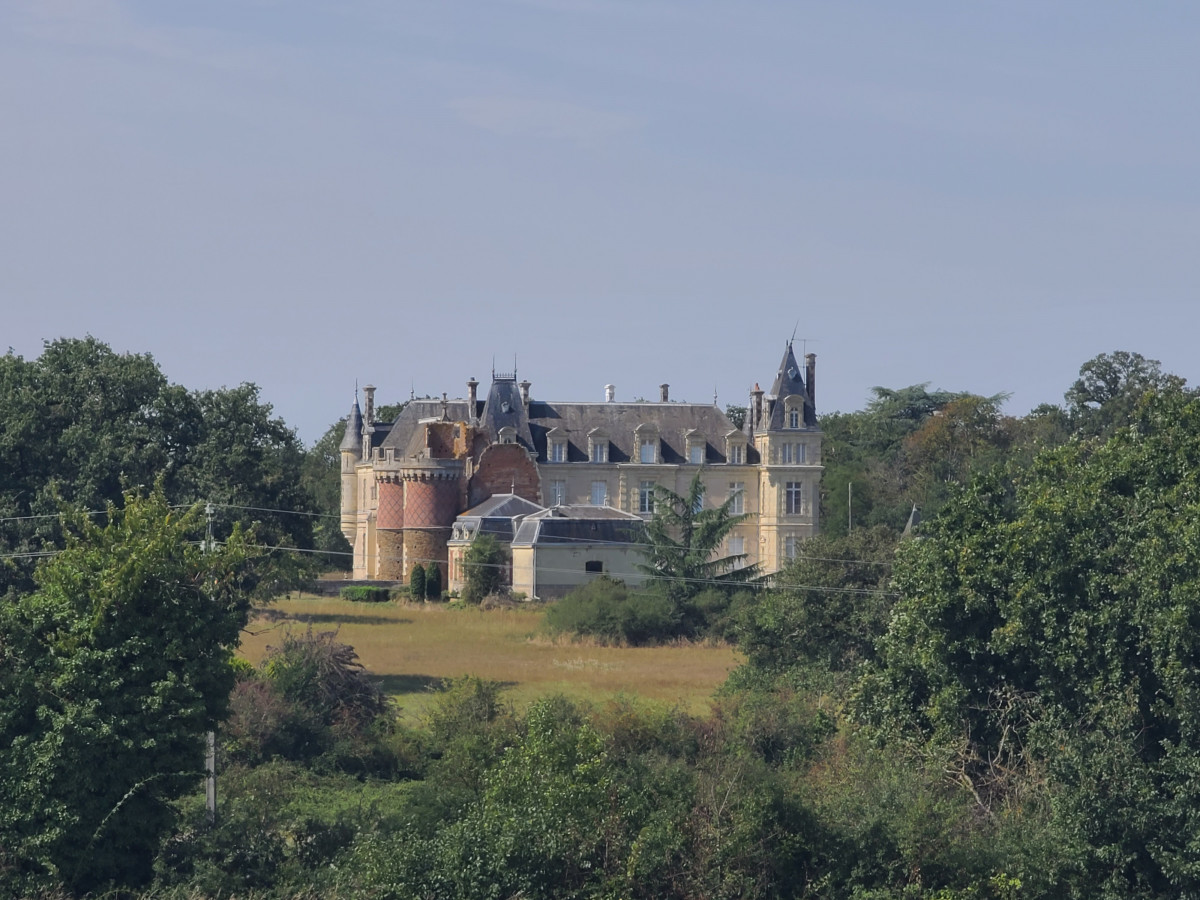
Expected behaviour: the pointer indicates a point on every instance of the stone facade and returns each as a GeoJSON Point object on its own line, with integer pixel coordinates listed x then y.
{"type": "Point", "coordinates": [404, 482]}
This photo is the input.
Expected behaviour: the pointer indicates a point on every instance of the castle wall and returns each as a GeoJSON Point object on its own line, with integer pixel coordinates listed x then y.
{"type": "Point", "coordinates": [390, 514]}
{"type": "Point", "coordinates": [503, 469]}
{"type": "Point", "coordinates": [430, 503]}
{"type": "Point", "coordinates": [390, 545]}
{"type": "Point", "coordinates": [426, 546]}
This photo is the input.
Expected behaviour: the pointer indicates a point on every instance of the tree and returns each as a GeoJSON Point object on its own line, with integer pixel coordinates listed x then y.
{"type": "Point", "coordinates": [1109, 387]}
{"type": "Point", "coordinates": [84, 424]}
{"type": "Point", "coordinates": [321, 477]}
{"type": "Point", "coordinates": [683, 538]}
{"type": "Point", "coordinates": [416, 582]}
{"type": "Point", "coordinates": [113, 670]}
{"type": "Point", "coordinates": [483, 568]}
{"type": "Point", "coordinates": [826, 609]}
{"type": "Point", "coordinates": [1048, 632]}
{"type": "Point", "coordinates": [433, 582]}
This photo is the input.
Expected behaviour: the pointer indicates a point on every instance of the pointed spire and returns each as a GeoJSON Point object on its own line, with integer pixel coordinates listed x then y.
{"type": "Point", "coordinates": [352, 440]}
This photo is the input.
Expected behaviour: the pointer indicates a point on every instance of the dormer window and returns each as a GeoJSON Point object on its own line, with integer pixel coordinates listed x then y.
{"type": "Point", "coordinates": [696, 446]}
{"type": "Point", "coordinates": [508, 435]}
{"type": "Point", "coordinates": [556, 445]}
{"type": "Point", "coordinates": [597, 446]}
{"type": "Point", "coordinates": [735, 448]}
{"type": "Point", "coordinates": [793, 406]}
{"type": "Point", "coordinates": [645, 438]}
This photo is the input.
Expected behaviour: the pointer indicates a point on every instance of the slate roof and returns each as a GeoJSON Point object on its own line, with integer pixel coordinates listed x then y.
{"type": "Point", "coordinates": [574, 419]}
{"type": "Point", "coordinates": [581, 525]}
{"type": "Point", "coordinates": [788, 381]}
{"type": "Point", "coordinates": [618, 421]}
{"type": "Point", "coordinates": [352, 440]}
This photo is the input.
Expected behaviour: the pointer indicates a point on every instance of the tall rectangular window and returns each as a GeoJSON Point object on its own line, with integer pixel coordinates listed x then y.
{"type": "Point", "coordinates": [647, 451]}
{"type": "Point", "coordinates": [737, 545]}
{"type": "Point", "coordinates": [696, 454]}
{"type": "Point", "coordinates": [794, 498]}
{"type": "Point", "coordinates": [737, 454]}
{"type": "Point", "coordinates": [558, 493]}
{"type": "Point", "coordinates": [558, 451]}
{"type": "Point", "coordinates": [599, 493]}
{"type": "Point", "coordinates": [737, 492]}
{"type": "Point", "coordinates": [793, 418]}
{"type": "Point", "coordinates": [789, 546]}
{"type": "Point", "coordinates": [600, 452]}
{"type": "Point", "coordinates": [801, 453]}
{"type": "Point", "coordinates": [646, 497]}
{"type": "Point", "coordinates": [785, 454]}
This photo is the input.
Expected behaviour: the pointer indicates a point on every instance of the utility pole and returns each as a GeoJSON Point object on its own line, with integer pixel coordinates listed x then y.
{"type": "Point", "coordinates": [849, 506]}
{"type": "Point", "coordinates": [210, 737]}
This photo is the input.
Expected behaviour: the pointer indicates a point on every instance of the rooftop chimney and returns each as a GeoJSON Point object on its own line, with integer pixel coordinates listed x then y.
{"type": "Point", "coordinates": [369, 412]}
{"type": "Point", "coordinates": [663, 390]}
{"type": "Point", "coordinates": [810, 382]}
{"type": "Point", "coordinates": [472, 397]}
{"type": "Point", "coordinates": [525, 392]}
{"type": "Point", "coordinates": [610, 393]}
{"type": "Point", "coordinates": [756, 397]}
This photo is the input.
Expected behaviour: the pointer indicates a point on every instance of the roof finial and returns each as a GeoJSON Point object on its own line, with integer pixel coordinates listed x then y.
{"type": "Point", "coordinates": [794, 330]}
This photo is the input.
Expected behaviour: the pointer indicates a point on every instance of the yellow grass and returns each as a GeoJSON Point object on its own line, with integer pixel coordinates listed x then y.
{"type": "Point", "coordinates": [413, 648]}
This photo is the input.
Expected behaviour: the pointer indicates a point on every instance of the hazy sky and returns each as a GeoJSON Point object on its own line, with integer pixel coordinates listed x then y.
{"type": "Point", "coordinates": [305, 193]}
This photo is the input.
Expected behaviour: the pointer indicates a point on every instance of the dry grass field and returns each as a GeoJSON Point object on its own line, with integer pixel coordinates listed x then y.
{"type": "Point", "coordinates": [414, 648]}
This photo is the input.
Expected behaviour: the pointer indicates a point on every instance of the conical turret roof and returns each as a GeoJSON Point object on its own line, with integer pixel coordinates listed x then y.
{"type": "Point", "coordinates": [353, 438]}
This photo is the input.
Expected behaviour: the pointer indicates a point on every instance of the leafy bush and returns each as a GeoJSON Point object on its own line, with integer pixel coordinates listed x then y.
{"type": "Point", "coordinates": [416, 582]}
{"type": "Point", "coordinates": [433, 582]}
{"type": "Point", "coordinates": [483, 568]}
{"type": "Point", "coordinates": [604, 609]}
{"type": "Point", "coordinates": [364, 593]}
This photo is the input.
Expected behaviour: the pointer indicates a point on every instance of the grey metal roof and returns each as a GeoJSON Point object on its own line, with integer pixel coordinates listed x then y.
{"type": "Point", "coordinates": [352, 440]}
{"type": "Point", "coordinates": [581, 525]}
{"type": "Point", "coordinates": [503, 505]}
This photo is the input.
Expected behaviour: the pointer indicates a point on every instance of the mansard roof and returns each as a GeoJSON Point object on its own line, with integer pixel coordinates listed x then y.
{"type": "Point", "coordinates": [618, 422]}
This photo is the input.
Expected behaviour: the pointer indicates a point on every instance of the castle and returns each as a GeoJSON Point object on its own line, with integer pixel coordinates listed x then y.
{"type": "Point", "coordinates": [414, 490]}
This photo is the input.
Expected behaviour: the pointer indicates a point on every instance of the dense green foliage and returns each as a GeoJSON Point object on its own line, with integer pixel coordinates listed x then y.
{"type": "Point", "coordinates": [110, 672]}
{"type": "Point", "coordinates": [365, 593]}
{"type": "Point", "coordinates": [83, 424]}
{"type": "Point", "coordinates": [483, 568]}
{"type": "Point", "coordinates": [1050, 628]}
{"type": "Point", "coordinates": [416, 582]}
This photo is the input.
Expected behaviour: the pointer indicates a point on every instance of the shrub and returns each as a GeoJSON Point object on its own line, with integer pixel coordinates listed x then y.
{"type": "Point", "coordinates": [483, 568]}
{"type": "Point", "coordinates": [604, 609]}
{"type": "Point", "coordinates": [416, 582]}
{"type": "Point", "coordinates": [433, 582]}
{"type": "Point", "coordinates": [364, 593]}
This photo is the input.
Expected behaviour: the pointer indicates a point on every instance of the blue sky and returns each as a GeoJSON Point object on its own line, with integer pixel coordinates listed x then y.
{"type": "Point", "coordinates": [981, 196]}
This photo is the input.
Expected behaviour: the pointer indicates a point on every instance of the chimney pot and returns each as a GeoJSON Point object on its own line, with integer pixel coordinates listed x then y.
{"type": "Point", "coordinates": [664, 391]}
{"type": "Point", "coordinates": [610, 392]}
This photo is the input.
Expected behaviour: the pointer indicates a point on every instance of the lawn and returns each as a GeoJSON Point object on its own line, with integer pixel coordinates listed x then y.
{"type": "Point", "coordinates": [414, 648]}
